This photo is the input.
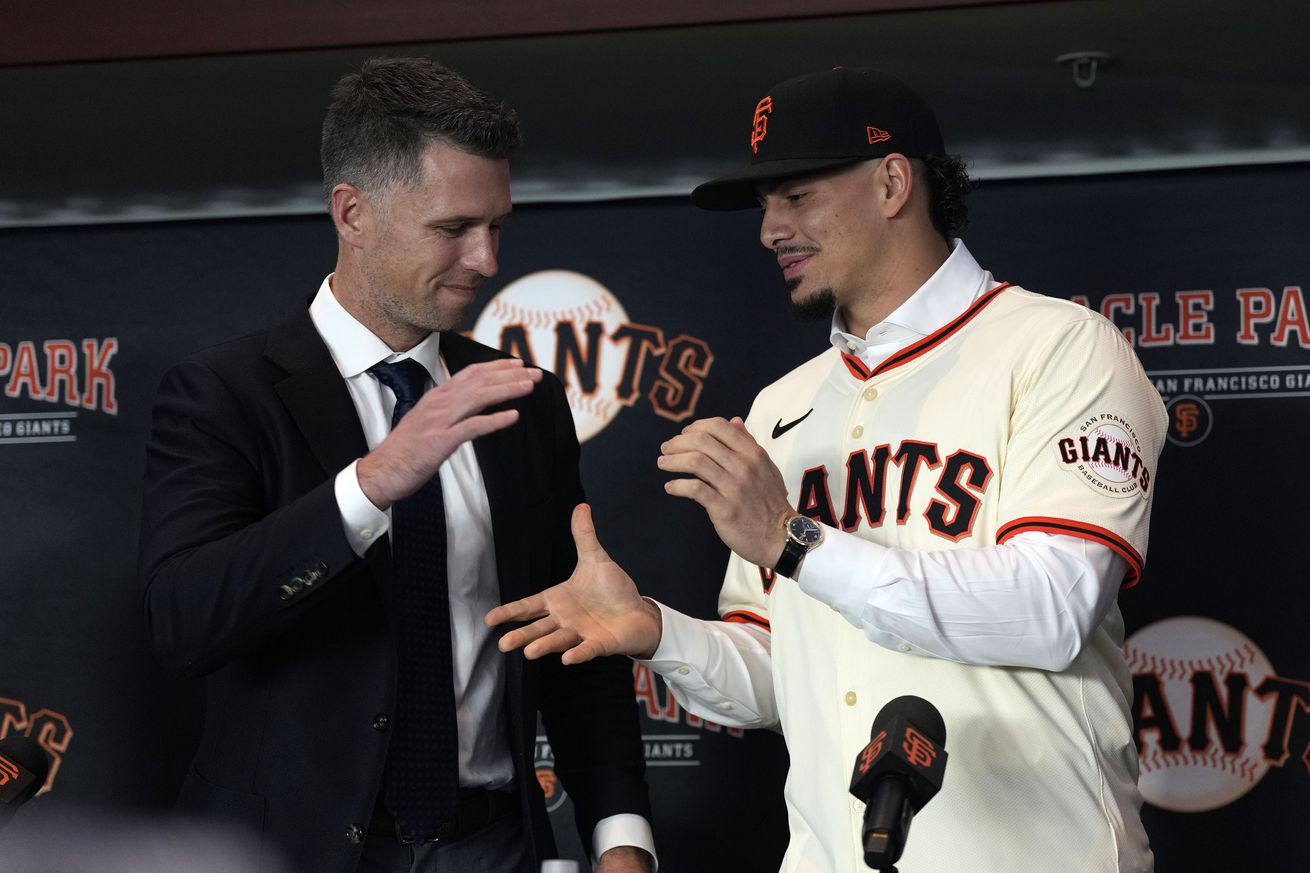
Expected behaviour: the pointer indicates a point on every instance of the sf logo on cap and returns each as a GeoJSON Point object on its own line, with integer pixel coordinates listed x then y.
{"type": "Point", "coordinates": [760, 127]}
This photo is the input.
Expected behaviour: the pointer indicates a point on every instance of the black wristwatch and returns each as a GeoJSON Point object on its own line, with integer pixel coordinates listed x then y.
{"type": "Point", "coordinates": [803, 534]}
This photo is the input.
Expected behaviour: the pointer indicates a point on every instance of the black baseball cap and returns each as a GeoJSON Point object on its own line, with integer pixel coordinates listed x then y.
{"type": "Point", "coordinates": [822, 121]}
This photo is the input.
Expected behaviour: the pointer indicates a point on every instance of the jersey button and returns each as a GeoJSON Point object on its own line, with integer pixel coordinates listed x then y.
{"type": "Point", "coordinates": [870, 393]}
{"type": "Point", "coordinates": [904, 647]}
{"type": "Point", "coordinates": [850, 698]}
{"type": "Point", "coordinates": [857, 431]}
{"type": "Point", "coordinates": [725, 706]}
{"type": "Point", "coordinates": [381, 722]}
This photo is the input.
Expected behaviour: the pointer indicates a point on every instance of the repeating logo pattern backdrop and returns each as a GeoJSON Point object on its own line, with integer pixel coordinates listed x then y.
{"type": "Point", "coordinates": [654, 315]}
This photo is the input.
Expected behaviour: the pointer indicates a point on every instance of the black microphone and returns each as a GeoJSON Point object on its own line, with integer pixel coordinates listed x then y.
{"type": "Point", "coordinates": [24, 767]}
{"type": "Point", "coordinates": [896, 774]}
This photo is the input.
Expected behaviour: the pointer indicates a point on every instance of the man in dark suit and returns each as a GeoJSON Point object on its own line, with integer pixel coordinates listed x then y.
{"type": "Point", "coordinates": [324, 529]}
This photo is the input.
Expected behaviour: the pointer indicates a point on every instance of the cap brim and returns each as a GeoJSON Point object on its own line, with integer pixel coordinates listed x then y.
{"type": "Point", "coordinates": [739, 190]}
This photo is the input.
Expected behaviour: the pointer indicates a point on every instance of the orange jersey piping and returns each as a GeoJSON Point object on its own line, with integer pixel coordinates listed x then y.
{"type": "Point", "coordinates": [1081, 529]}
{"type": "Point", "coordinates": [741, 615]}
{"type": "Point", "coordinates": [860, 371]}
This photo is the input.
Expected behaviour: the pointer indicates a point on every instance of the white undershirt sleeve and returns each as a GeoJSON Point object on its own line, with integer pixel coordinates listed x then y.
{"type": "Point", "coordinates": [718, 670]}
{"type": "Point", "coordinates": [1030, 602]}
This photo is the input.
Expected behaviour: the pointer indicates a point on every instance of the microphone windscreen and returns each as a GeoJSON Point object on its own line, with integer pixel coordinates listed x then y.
{"type": "Point", "coordinates": [917, 712]}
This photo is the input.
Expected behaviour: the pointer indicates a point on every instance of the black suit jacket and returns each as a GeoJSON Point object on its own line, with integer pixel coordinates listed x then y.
{"type": "Point", "coordinates": [249, 581]}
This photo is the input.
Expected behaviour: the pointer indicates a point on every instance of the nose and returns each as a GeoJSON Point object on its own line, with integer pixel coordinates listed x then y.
{"type": "Point", "coordinates": [480, 251]}
{"type": "Point", "coordinates": [775, 229]}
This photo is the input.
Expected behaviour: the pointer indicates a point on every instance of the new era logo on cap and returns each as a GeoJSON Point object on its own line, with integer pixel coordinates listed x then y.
{"type": "Point", "coordinates": [876, 135]}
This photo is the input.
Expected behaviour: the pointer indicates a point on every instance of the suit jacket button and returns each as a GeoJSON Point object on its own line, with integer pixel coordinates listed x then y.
{"type": "Point", "coordinates": [381, 721]}
{"type": "Point", "coordinates": [297, 584]}
{"type": "Point", "coordinates": [320, 568]}
{"type": "Point", "coordinates": [288, 592]}
{"type": "Point", "coordinates": [355, 833]}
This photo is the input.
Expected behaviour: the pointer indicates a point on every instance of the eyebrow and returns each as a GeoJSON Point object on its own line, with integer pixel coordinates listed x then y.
{"type": "Point", "coordinates": [468, 219]}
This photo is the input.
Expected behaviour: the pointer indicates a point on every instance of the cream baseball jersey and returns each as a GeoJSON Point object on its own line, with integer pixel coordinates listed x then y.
{"type": "Point", "coordinates": [1024, 413]}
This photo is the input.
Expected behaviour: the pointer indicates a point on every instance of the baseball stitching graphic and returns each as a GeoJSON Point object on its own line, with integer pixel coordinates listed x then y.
{"type": "Point", "coordinates": [1175, 650]}
{"type": "Point", "coordinates": [539, 302]}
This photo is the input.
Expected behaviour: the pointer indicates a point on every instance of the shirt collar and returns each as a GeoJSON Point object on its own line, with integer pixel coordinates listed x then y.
{"type": "Point", "coordinates": [958, 282]}
{"type": "Point", "coordinates": [355, 348]}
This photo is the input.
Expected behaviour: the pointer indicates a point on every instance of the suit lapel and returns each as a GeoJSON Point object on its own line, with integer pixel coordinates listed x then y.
{"type": "Point", "coordinates": [315, 394]}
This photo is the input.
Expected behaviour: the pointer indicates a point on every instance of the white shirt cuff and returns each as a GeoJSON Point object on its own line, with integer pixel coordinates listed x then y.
{"type": "Point", "coordinates": [363, 522]}
{"type": "Point", "coordinates": [831, 572]}
{"type": "Point", "coordinates": [624, 829]}
{"type": "Point", "coordinates": [682, 639]}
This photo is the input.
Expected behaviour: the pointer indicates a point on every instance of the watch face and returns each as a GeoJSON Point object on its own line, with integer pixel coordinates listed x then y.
{"type": "Point", "coordinates": [805, 530]}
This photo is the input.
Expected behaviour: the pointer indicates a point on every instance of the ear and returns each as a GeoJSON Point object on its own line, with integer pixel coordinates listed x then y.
{"type": "Point", "coordinates": [349, 207]}
{"type": "Point", "coordinates": [897, 177]}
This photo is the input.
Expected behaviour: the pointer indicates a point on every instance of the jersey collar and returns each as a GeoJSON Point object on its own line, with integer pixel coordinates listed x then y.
{"type": "Point", "coordinates": [956, 284]}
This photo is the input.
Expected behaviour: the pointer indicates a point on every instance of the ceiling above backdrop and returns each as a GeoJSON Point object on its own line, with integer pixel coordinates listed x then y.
{"type": "Point", "coordinates": [93, 130]}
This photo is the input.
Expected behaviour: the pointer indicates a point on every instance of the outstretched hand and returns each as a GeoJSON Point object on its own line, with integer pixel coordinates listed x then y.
{"type": "Point", "coordinates": [595, 612]}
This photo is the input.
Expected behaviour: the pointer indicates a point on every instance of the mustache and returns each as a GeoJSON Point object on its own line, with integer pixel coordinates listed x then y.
{"type": "Point", "coordinates": [796, 250]}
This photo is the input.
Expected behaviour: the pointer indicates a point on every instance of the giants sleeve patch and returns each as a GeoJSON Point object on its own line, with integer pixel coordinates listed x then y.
{"type": "Point", "coordinates": [1105, 452]}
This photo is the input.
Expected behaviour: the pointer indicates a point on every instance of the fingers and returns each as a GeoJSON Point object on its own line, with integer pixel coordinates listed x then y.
{"type": "Point", "coordinates": [526, 609]}
{"type": "Point", "coordinates": [732, 434]}
{"type": "Point", "coordinates": [698, 455]}
{"type": "Point", "coordinates": [715, 451]}
{"type": "Point", "coordinates": [584, 535]}
{"type": "Point", "coordinates": [476, 387]}
{"type": "Point", "coordinates": [480, 425]}
{"type": "Point", "coordinates": [528, 635]}
{"type": "Point", "coordinates": [582, 652]}
{"type": "Point", "coordinates": [559, 640]}
{"type": "Point", "coordinates": [544, 637]}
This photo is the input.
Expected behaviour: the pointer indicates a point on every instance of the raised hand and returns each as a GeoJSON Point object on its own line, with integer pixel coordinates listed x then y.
{"type": "Point", "coordinates": [597, 611]}
{"type": "Point", "coordinates": [443, 418]}
{"type": "Point", "coordinates": [735, 481]}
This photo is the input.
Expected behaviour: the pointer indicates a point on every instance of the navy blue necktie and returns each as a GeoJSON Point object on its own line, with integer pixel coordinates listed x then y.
{"type": "Point", "coordinates": [421, 788]}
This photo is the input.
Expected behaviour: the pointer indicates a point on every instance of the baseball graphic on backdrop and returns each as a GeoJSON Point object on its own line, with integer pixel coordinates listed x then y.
{"type": "Point", "coordinates": [1174, 652]}
{"type": "Point", "coordinates": [552, 303]}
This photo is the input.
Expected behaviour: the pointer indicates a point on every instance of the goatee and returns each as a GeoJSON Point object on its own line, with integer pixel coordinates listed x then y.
{"type": "Point", "coordinates": [818, 306]}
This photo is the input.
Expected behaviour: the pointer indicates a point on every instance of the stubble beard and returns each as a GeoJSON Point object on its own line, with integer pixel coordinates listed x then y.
{"type": "Point", "coordinates": [403, 314]}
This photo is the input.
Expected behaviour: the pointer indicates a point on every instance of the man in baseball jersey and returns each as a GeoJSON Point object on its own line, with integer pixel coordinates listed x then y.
{"type": "Point", "coordinates": [944, 503]}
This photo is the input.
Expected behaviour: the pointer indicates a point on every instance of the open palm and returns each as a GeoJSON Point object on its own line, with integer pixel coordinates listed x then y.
{"type": "Point", "coordinates": [595, 612]}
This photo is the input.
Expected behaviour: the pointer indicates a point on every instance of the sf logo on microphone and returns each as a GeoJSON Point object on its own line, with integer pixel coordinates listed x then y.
{"type": "Point", "coordinates": [919, 750]}
{"type": "Point", "coordinates": [871, 752]}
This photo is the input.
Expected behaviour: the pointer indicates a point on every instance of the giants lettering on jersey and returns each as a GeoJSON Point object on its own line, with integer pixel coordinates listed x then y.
{"type": "Point", "coordinates": [962, 479]}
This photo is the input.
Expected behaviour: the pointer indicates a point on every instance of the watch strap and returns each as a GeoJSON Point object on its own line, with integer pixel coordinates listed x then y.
{"type": "Point", "coordinates": [792, 552]}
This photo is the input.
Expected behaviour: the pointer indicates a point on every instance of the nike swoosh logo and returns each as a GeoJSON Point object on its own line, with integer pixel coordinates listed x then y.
{"type": "Point", "coordinates": [779, 429]}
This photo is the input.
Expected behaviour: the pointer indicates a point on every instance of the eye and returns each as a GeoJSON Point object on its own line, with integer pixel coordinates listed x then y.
{"type": "Point", "coordinates": [452, 230]}
{"type": "Point", "coordinates": [797, 197]}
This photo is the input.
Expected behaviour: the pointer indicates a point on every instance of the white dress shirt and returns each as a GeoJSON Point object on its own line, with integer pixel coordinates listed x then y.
{"type": "Point", "coordinates": [479, 675]}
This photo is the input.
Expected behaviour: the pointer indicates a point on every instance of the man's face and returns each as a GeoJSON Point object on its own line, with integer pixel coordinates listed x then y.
{"type": "Point", "coordinates": [825, 231]}
{"type": "Point", "coordinates": [432, 244]}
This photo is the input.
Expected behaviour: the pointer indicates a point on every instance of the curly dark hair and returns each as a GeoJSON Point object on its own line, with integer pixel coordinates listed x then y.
{"type": "Point", "coordinates": [948, 185]}
{"type": "Point", "coordinates": [381, 119]}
